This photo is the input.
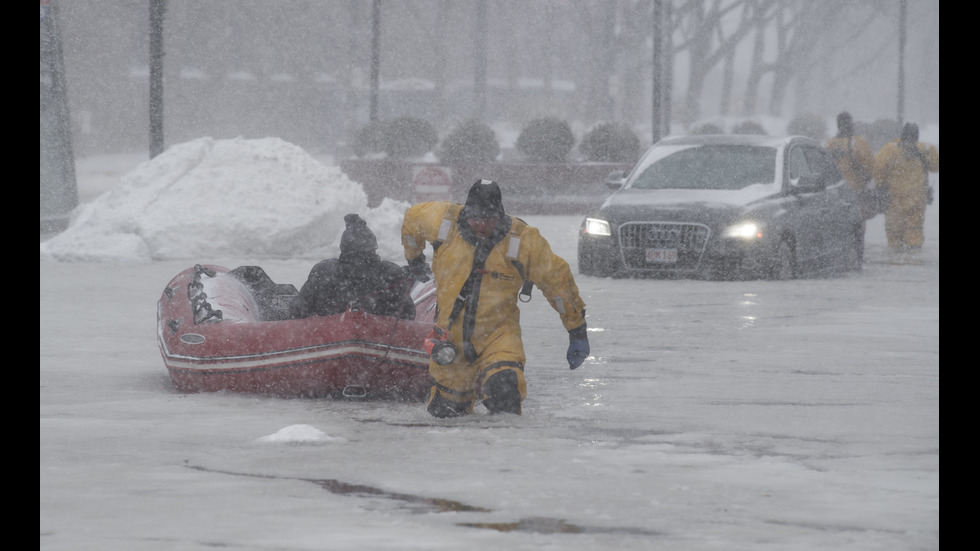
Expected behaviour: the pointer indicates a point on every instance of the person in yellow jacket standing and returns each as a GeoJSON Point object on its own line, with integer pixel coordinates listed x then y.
{"type": "Point", "coordinates": [852, 153]}
{"type": "Point", "coordinates": [903, 167]}
{"type": "Point", "coordinates": [854, 159]}
{"type": "Point", "coordinates": [483, 261]}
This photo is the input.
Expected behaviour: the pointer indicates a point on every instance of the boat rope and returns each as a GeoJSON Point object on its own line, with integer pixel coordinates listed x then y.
{"type": "Point", "coordinates": [199, 299]}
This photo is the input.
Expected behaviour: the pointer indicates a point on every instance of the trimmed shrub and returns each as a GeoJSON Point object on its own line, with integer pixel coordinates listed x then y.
{"type": "Point", "coordinates": [749, 127]}
{"type": "Point", "coordinates": [473, 141]}
{"type": "Point", "coordinates": [398, 138]}
{"type": "Point", "coordinates": [611, 142]}
{"type": "Point", "coordinates": [707, 128]}
{"type": "Point", "coordinates": [409, 137]}
{"type": "Point", "coordinates": [369, 139]}
{"type": "Point", "coordinates": [808, 125]}
{"type": "Point", "coordinates": [546, 140]}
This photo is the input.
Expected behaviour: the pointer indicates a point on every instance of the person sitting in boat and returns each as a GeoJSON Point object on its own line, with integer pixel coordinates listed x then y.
{"type": "Point", "coordinates": [358, 280]}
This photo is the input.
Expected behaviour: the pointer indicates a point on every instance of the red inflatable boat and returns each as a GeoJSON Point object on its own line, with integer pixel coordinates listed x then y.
{"type": "Point", "coordinates": [221, 329]}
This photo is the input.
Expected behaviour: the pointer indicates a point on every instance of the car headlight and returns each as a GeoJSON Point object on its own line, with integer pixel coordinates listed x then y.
{"type": "Point", "coordinates": [597, 227]}
{"type": "Point", "coordinates": [744, 230]}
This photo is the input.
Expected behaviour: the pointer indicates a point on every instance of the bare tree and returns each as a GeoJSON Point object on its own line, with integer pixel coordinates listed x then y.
{"type": "Point", "coordinates": [634, 58]}
{"type": "Point", "coordinates": [762, 12]}
{"type": "Point", "coordinates": [707, 42]}
{"type": "Point", "coordinates": [798, 28]}
{"type": "Point", "coordinates": [599, 25]}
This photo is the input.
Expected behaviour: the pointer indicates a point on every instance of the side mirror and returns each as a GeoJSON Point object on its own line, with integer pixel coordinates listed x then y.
{"type": "Point", "coordinates": [616, 179]}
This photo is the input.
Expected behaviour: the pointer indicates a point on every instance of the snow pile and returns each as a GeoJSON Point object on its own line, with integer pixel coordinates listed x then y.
{"type": "Point", "coordinates": [299, 434]}
{"type": "Point", "coordinates": [208, 199]}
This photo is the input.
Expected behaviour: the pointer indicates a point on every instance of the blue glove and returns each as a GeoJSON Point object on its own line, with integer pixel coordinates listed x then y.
{"type": "Point", "coordinates": [578, 347]}
{"type": "Point", "coordinates": [419, 269]}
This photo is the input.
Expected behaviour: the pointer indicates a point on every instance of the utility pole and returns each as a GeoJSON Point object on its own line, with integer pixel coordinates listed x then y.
{"type": "Point", "coordinates": [656, 131]}
{"type": "Point", "coordinates": [353, 48]}
{"type": "Point", "coordinates": [663, 69]}
{"type": "Point", "coordinates": [59, 190]}
{"type": "Point", "coordinates": [668, 75]}
{"type": "Point", "coordinates": [157, 10]}
{"type": "Point", "coordinates": [903, 15]}
{"type": "Point", "coordinates": [480, 62]}
{"type": "Point", "coordinates": [375, 57]}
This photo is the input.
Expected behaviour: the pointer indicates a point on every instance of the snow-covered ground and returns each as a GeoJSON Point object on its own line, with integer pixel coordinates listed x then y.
{"type": "Point", "coordinates": [757, 415]}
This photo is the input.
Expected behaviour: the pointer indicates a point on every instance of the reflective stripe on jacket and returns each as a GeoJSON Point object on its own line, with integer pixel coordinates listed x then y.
{"type": "Point", "coordinates": [500, 283]}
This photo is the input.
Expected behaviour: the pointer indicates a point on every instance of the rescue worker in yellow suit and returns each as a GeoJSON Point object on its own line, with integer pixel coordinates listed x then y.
{"type": "Point", "coordinates": [903, 167]}
{"type": "Point", "coordinates": [855, 163]}
{"type": "Point", "coordinates": [852, 154]}
{"type": "Point", "coordinates": [481, 262]}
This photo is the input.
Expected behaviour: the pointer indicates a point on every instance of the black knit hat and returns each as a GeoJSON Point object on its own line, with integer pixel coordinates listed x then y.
{"type": "Point", "coordinates": [357, 237]}
{"type": "Point", "coordinates": [910, 132]}
{"type": "Point", "coordinates": [845, 124]}
{"type": "Point", "coordinates": [484, 201]}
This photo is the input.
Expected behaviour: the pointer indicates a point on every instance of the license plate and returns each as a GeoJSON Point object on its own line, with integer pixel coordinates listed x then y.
{"type": "Point", "coordinates": [661, 256]}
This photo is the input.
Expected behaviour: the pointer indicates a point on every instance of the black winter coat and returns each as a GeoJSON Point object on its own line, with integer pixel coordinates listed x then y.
{"type": "Point", "coordinates": [359, 281]}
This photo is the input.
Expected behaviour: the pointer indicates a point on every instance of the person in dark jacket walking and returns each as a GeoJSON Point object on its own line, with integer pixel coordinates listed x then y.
{"type": "Point", "coordinates": [358, 280]}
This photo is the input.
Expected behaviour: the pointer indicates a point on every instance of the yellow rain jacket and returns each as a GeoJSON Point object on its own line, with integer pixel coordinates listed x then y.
{"type": "Point", "coordinates": [486, 329]}
{"type": "Point", "coordinates": [854, 160]}
{"type": "Point", "coordinates": [905, 175]}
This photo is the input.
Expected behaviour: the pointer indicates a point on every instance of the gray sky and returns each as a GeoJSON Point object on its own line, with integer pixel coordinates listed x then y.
{"type": "Point", "coordinates": [261, 68]}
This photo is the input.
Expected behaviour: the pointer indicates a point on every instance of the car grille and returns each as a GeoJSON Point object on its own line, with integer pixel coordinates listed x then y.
{"type": "Point", "coordinates": [689, 240]}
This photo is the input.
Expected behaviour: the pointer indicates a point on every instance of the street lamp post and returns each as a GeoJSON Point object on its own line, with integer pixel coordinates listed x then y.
{"type": "Point", "coordinates": [657, 119]}
{"type": "Point", "coordinates": [902, 17]}
{"type": "Point", "coordinates": [375, 57]}
{"type": "Point", "coordinates": [157, 10]}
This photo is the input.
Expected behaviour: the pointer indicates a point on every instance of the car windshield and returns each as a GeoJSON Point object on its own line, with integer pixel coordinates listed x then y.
{"type": "Point", "coordinates": [710, 167]}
